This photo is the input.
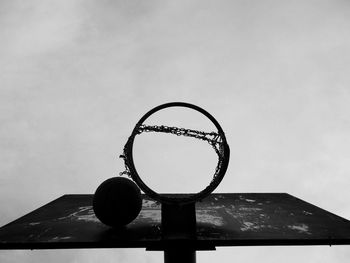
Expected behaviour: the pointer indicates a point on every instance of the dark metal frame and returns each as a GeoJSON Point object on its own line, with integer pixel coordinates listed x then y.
{"type": "Point", "coordinates": [178, 214]}
{"type": "Point", "coordinates": [187, 198]}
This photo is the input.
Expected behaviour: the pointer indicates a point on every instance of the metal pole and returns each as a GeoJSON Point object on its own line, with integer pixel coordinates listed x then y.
{"type": "Point", "coordinates": [179, 222]}
{"type": "Point", "coordinates": [177, 255]}
{"type": "Point", "coordinates": [179, 233]}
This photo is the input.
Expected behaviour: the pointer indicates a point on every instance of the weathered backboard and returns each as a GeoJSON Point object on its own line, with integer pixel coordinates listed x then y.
{"type": "Point", "coordinates": [222, 220]}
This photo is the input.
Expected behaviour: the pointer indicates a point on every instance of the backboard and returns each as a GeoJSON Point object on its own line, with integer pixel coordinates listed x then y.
{"type": "Point", "coordinates": [246, 219]}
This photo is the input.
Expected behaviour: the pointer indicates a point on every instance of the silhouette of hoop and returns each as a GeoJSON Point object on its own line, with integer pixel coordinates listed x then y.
{"type": "Point", "coordinates": [223, 152]}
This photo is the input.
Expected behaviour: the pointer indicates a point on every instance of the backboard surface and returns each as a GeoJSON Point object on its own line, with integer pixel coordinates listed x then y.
{"type": "Point", "coordinates": [245, 219]}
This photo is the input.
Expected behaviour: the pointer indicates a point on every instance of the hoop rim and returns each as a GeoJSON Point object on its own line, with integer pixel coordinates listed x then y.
{"type": "Point", "coordinates": [186, 198]}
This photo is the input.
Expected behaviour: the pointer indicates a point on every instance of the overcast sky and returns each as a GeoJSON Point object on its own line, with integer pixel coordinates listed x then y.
{"type": "Point", "coordinates": [76, 75]}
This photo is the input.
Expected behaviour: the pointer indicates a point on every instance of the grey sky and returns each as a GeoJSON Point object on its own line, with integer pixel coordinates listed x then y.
{"type": "Point", "coordinates": [75, 76]}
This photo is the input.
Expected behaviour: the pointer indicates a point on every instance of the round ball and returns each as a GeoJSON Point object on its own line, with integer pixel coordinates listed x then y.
{"type": "Point", "coordinates": [117, 201]}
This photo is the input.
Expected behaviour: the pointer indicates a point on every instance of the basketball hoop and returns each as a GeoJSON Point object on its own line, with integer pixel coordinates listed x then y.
{"type": "Point", "coordinates": [216, 139]}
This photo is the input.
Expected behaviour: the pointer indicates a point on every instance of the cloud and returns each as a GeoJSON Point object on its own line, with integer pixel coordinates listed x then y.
{"type": "Point", "coordinates": [39, 27]}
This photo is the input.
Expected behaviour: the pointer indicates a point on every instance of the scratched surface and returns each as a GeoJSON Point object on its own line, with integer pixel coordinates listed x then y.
{"type": "Point", "coordinates": [222, 220]}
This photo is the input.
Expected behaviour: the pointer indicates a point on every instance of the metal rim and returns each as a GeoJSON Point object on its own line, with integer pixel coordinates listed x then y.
{"type": "Point", "coordinates": [187, 198]}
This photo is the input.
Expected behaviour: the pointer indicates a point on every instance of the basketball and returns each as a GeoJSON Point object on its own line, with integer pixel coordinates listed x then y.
{"type": "Point", "coordinates": [117, 201]}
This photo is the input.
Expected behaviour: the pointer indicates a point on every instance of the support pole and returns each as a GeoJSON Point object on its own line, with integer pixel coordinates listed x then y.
{"type": "Point", "coordinates": [179, 222]}
{"type": "Point", "coordinates": [179, 233]}
{"type": "Point", "coordinates": [176, 255]}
